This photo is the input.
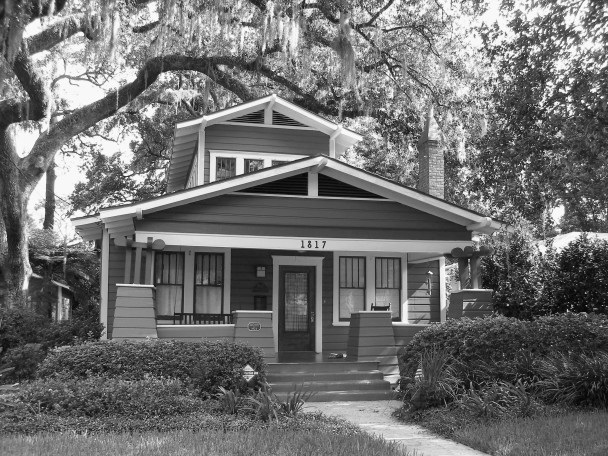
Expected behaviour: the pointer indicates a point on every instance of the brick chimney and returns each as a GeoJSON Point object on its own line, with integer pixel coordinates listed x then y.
{"type": "Point", "coordinates": [430, 158]}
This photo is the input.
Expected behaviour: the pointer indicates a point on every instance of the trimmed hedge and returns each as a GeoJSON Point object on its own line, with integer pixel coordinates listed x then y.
{"type": "Point", "coordinates": [204, 365]}
{"type": "Point", "coordinates": [98, 396]}
{"type": "Point", "coordinates": [501, 348]}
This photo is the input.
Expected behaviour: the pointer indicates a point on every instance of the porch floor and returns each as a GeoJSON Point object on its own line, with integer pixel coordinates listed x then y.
{"type": "Point", "coordinates": [286, 357]}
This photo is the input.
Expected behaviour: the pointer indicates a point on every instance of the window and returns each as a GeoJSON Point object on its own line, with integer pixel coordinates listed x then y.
{"type": "Point", "coordinates": [388, 284]}
{"type": "Point", "coordinates": [209, 283]}
{"type": "Point", "coordinates": [225, 163]}
{"type": "Point", "coordinates": [169, 282]}
{"type": "Point", "coordinates": [252, 165]}
{"type": "Point", "coordinates": [225, 167]}
{"type": "Point", "coordinates": [352, 286]}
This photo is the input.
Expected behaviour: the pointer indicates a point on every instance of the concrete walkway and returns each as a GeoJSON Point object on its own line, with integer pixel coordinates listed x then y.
{"type": "Point", "coordinates": [376, 417]}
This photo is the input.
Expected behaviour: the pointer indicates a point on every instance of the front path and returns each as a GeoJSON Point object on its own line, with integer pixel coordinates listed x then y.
{"type": "Point", "coordinates": [376, 417]}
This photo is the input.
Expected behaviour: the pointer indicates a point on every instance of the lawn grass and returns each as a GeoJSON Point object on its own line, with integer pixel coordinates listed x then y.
{"type": "Point", "coordinates": [576, 433]}
{"type": "Point", "coordinates": [261, 442]}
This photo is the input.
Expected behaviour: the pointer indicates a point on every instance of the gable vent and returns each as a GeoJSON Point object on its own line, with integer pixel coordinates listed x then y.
{"type": "Point", "coordinates": [328, 186]}
{"type": "Point", "coordinates": [283, 120]}
{"type": "Point", "coordinates": [256, 117]}
{"type": "Point", "coordinates": [294, 185]}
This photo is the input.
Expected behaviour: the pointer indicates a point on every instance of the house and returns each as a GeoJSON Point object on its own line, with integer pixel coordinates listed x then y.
{"type": "Point", "coordinates": [266, 236]}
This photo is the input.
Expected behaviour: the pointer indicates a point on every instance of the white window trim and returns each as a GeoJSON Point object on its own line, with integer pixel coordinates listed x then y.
{"type": "Point", "coordinates": [189, 254]}
{"type": "Point", "coordinates": [240, 160]}
{"type": "Point", "coordinates": [370, 283]}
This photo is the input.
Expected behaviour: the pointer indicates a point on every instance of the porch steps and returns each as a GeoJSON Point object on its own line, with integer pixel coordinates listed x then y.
{"type": "Point", "coordinates": [330, 381]}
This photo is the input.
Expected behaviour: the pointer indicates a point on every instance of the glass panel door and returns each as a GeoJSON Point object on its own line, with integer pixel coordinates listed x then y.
{"type": "Point", "coordinates": [296, 301]}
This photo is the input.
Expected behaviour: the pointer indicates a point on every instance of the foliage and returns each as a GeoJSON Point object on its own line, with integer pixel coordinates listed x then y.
{"type": "Point", "coordinates": [547, 135]}
{"type": "Point", "coordinates": [433, 384]}
{"type": "Point", "coordinates": [25, 360]}
{"type": "Point", "coordinates": [499, 399]}
{"type": "Point", "coordinates": [527, 283]}
{"type": "Point", "coordinates": [295, 400]}
{"type": "Point", "coordinates": [99, 396]}
{"type": "Point", "coordinates": [230, 400]}
{"type": "Point", "coordinates": [205, 365]}
{"type": "Point", "coordinates": [499, 348]}
{"type": "Point", "coordinates": [575, 379]}
{"type": "Point", "coordinates": [263, 404]}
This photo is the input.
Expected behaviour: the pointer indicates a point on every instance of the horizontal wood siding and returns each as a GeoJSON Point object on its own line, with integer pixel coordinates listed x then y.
{"type": "Point", "coordinates": [274, 216]}
{"type": "Point", "coordinates": [422, 307]}
{"type": "Point", "coordinates": [404, 334]}
{"type": "Point", "coordinates": [192, 333]}
{"type": "Point", "coordinates": [243, 279]}
{"type": "Point", "coordinates": [263, 139]}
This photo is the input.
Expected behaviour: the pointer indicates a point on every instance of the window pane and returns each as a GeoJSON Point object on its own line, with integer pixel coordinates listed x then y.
{"type": "Point", "coordinates": [278, 162]}
{"type": "Point", "coordinates": [351, 300]}
{"type": "Point", "coordinates": [168, 299]}
{"type": "Point", "coordinates": [296, 301]}
{"type": "Point", "coordinates": [386, 296]}
{"type": "Point", "coordinates": [352, 286]}
{"type": "Point", "coordinates": [225, 168]}
{"type": "Point", "coordinates": [253, 165]}
{"type": "Point", "coordinates": [208, 300]}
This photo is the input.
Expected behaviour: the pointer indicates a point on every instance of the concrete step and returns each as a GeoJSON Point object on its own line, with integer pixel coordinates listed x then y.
{"type": "Point", "coordinates": [343, 385]}
{"type": "Point", "coordinates": [334, 366]}
{"type": "Point", "coordinates": [302, 377]}
{"type": "Point", "coordinates": [350, 395]}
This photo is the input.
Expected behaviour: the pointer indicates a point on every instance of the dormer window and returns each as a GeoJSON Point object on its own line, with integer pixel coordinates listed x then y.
{"type": "Point", "coordinates": [225, 164]}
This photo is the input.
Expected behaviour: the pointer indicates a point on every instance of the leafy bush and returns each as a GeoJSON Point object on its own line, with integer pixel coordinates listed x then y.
{"type": "Point", "coordinates": [25, 360]}
{"type": "Point", "coordinates": [501, 348]}
{"type": "Point", "coordinates": [204, 365]}
{"type": "Point", "coordinates": [529, 284]}
{"type": "Point", "coordinates": [21, 326]}
{"type": "Point", "coordinates": [98, 396]}
{"type": "Point", "coordinates": [575, 379]}
{"type": "Point", "coordinates": [435, 383]}
{"type": "Point", "coordinates": [499, 399]}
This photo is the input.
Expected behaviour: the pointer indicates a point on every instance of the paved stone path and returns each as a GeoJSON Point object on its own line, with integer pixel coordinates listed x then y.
{"type": "Point", "coordinates": [376, 417]}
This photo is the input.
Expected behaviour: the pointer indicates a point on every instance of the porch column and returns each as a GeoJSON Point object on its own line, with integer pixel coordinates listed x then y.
{"type": "Point", "coordinates": [134, 316]}
{"type": "Point", "coordinates": [255, 328]}
{"type": "Point", "coordinates": [371, 338]}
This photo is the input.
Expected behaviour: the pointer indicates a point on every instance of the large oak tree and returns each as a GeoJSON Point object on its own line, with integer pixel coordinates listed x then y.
{"type": "Point", "coordinates": [337, 58]}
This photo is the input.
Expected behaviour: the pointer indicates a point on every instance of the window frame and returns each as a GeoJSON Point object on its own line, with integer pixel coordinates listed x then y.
{"type": "Point", "coordinates": [398, 288]}
{"type": "Point", "coordinates": [340, 287]}
{"type": "Point", "coordinates": [221, 286]}
{"type": "Point", "coordinates": [183, 284]}
{"type": "Point", "coordinates": [370, 280]}
{"type": "Point", "coordinates": [241, 156]}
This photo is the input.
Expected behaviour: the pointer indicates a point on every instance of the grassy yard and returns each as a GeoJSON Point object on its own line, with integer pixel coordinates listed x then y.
{"type": "Point", "coordinates": [208, 443]}
{"type": "Point", "coordinates": [561, 433]}
{"type": "Point", "coordinates": [572, 434]}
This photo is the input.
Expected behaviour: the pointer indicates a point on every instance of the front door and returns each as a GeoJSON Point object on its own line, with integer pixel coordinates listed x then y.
{"type": "Point", "coordinates": [296, 308]}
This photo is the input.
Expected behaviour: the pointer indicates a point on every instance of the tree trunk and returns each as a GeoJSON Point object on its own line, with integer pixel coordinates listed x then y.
{"type": "Point", "coordinates": [49, 202]}
{"type": "Point", "coordinates": [14, 259]}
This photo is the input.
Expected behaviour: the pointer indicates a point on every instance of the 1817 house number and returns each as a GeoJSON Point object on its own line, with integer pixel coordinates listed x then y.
{"type": "Point", "coordinates": [308, 244]}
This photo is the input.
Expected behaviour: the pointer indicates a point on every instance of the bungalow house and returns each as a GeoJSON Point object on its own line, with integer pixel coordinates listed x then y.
{"type": "Point", "coordinates": [266, 236]}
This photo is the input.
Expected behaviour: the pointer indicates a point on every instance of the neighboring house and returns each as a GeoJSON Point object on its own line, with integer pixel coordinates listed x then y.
{"type": "Point", "coordinates": [48, 297]}
{"type": "Point", "coordinates": [266, 236]}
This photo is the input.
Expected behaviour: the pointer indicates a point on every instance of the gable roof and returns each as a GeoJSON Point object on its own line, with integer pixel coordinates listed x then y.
{"type": "Point", "coordinates": [186, 133]}
{"type": "Point", "coordinates": [119, 220]}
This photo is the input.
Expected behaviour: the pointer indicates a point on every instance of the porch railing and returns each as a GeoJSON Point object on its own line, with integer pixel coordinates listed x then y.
{"type": "Point", "coordinates": [196, 319]}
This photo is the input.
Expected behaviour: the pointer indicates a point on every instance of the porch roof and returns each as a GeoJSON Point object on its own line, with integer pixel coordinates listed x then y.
{"type": "Point", "coordinates": [119, 220]}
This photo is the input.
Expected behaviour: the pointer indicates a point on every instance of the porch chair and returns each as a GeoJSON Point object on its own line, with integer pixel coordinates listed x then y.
{"type": "Point", "coordinates": [380, 308]}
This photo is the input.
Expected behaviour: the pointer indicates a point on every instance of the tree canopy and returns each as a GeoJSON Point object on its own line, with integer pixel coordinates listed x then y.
{"type": "Point", "coordinates": [384, 59]}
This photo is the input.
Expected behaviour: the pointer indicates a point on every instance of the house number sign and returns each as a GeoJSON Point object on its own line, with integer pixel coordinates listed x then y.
{"type": "Point", "coordinates": [312, 244]}
{"type": "Point", "coordinates": [254, 326]}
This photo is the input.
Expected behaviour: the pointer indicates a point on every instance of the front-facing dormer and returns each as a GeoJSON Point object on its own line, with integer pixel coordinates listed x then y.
{"type": "Point", "coordinates": [266, 132]}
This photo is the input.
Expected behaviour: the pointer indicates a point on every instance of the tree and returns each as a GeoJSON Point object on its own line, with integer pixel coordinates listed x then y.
{"type": "Point", "coordinates": [336, 58]}
{"type": "Point", "coordinates": [548, 126]}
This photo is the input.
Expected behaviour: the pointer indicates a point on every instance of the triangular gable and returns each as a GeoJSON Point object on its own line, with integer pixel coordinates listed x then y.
{"type": "Point", "coordinates": [119, 220]}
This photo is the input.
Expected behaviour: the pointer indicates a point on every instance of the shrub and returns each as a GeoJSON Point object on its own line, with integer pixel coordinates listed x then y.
{"type": "Point", "coordinates": [205, 365]}
{"type": "Point", "coordinates": [98, 396]}
{"type": "Point", "coordinates": [21, 326]}
{"type": "Point", "coordinates": [434, 385]}
{"type": "Point", "coordinates": [25, 360]}
{"type": "Point", "coordinates": [501, 348]}
{"type": "Point", "coordinates": [575, 379]}
{"type": "Point", "coordinates": [499, 399]}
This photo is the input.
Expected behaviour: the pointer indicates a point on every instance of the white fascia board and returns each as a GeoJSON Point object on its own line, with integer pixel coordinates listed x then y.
{"type": "Point", "coordinates": [211, 190]}
{"type": "Point", "coordinates": [83, 221]}
{"type": "Point", "coordinates": [241, 109]}
{"type": "Point", "coordinates": [400, 194]}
